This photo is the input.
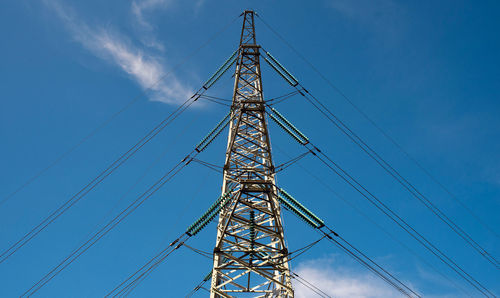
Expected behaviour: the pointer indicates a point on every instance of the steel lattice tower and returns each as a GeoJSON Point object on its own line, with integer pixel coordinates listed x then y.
{"type": "Point", "coordinates": [250, 254]}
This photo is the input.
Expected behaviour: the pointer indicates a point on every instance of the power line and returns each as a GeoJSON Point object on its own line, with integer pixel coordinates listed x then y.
{"type": "Point", "coordinates": [108, 227]}
{"type": "Point", "coordinates": [281, 98]}
{"type": "Point", "coordinates": [124, 213]}
{"type": "Point", "coordinates": [375, 223]}
{"type": "Point", "coordinates": [299, 279]}
{"type": "Point", "coordinates": [403, 224]}
{"type": "Point", "coordinates": [110, 169]}
{"type": "Point", "coordinates": [200, 286]}
{"type": "Point", "coordinates": [133, 280]}
{"type": "Point", "coordinates": [293, 274]}
{"type": "Point", "coordinates": [97, 180]}
{"type": "Point", "coordinates": [381, 162]}
{"type": "Point", "coordinates": [365, 261]}
{"type": "Point", "coordinates": [215, 100]}
{"type": "Point", "coordinates": [360, 257]}
{"type": "Point", "coordinates": [310, 286]}
{"type": "Point", "coordinates": [129, 284]}
{"type": "Point", "coordinates": [112, 117]}
{"type": "Point", "coordinates": [303, 140]}
{"type": "Point", "coordinates": [392, 172]}
{"type": "Point", "coordinates": [162, 253]}
{"type": "Point", "coordinates": [218, 98]}
{"type": "Point", "coordinates": [138, 276]}
{"type": "Point", "coordinates": [399, 178]}
{"type": "Point", "coordinates": [210, 166]}
{"type": "Point", "coordinates": [371, 261]}
{"type": "Point", "coordinates": [70, 150]}
{"type": "Point", "coordinates": [290, 162]}
{"type": "Point", "coordinates": [139, 179]}
{"type": "Point", "coordinates": [385, 134]}
{"type": "Point", "coordinates": [199, 251]}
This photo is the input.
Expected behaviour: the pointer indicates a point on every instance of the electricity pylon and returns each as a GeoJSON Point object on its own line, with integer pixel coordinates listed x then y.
{"type": "Point", "coordinates": [250, 254]}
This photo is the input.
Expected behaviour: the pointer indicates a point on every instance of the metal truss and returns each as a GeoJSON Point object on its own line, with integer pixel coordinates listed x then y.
{"type": "Point", "coordinates": [250, 254]}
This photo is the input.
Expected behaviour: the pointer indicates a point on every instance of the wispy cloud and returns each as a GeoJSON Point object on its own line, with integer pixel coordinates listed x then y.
{"type": "Point", "coordinates": [436, 279]}
{"type": "Point", "coordinates": [141, 7]}
{"type": "Point", "coordinates": [339, 281]}
{"type": "Point", "coordinates": [144, 68]}
{"type": "Point", "coordinates": [143, 11]}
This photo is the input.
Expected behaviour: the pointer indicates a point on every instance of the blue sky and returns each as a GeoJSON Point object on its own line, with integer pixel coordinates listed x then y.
{"type": "Point", "coordinates": [426, 72]}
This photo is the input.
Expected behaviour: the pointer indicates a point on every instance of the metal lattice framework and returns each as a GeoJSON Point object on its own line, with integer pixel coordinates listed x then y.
{"type": "Point", "coordinates": [250, 254]}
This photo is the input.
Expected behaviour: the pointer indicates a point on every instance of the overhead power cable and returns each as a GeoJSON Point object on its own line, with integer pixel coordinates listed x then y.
{"type": "Point", "coordinates": [294, 275]}
{"type": "Point", "coordinates": [215, 100]}
{"type": "Point", "coordinates": [104, 230]}
{"type": "Point", "coordinates": [134, 279]}
{"type": "Point", "coordinates": [202, 253]}
{"type": "Point", "coordinates": [138, 276]}
{"type": "Point", "coordinates": [406, 184]}
{"type": "Point", "coordinates": [112, 117]}
{"type": "Point", "coordinates": [309, 285]}
{"type": "Point", "coordinates": [372, 266]}
{"type": "Point", "coordinates": [116, 164]}
{"type": "Point", "coordinates": [403, 224]}
{"type": "Point", "coordinates": [272, 101]}
{"type": "Point", "coordinates": [383, 163]}
{"type": "Point", "coordinates": [296, 253]}
{"type": "Point", "coordinates": [111, 211]}
{"type": "Point", "coordinates": [290, 162]}
{"type": "Point", "coordinates": [281, 98]}
{"type": "Point", "coordinates": [97, 180]}
{"type": "Point", "coordinates": [218, 98]}
{"type": "Point", "coordinates": [69, 151]}
{"type": "Point", "coordinates": [292, 205]}
{"type": "Point", "coordinates": [384, 133]}
{"type": "Point", "coordinates": [339, 171]}
{"type": "Point", "coordinates": [300, 251]}
{"type": "Point", "coordinates": [200, 285]}
{"type": "Point", "coordinates": [211, 166]}
{"type": "Point", "coordinates": [120, 217]}
{"type": "Point", "coordinates": [376, 224]}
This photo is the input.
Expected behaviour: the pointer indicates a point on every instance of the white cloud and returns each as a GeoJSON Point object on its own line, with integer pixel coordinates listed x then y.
{"type": "Point", "coordinates": [140, 7]}
{"type": "Point", "coordinates": [436, 279]}
{"type": "Point", "coordinates": [144, 10]}
{"type": "Point", "coordinates": [144, 68]}
{"type": "Point", "coordinates": [338, 281]}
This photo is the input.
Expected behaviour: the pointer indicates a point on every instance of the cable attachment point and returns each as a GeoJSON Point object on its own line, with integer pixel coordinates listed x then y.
{"type": "Point", "coordinates": [208, 139]}
{"type": "Point", "coordinates": [302, 212]}
{"type": "Point", "coordinates": [221, 70]}
{"type": "Point", "coordinates": [332, 232]}
{"type": "Point", "coordinates": [209, 215]}
{"type": "Point", "coordinates": [281, 70]}
{"type": "Point", "coordinates": [288, 127]}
